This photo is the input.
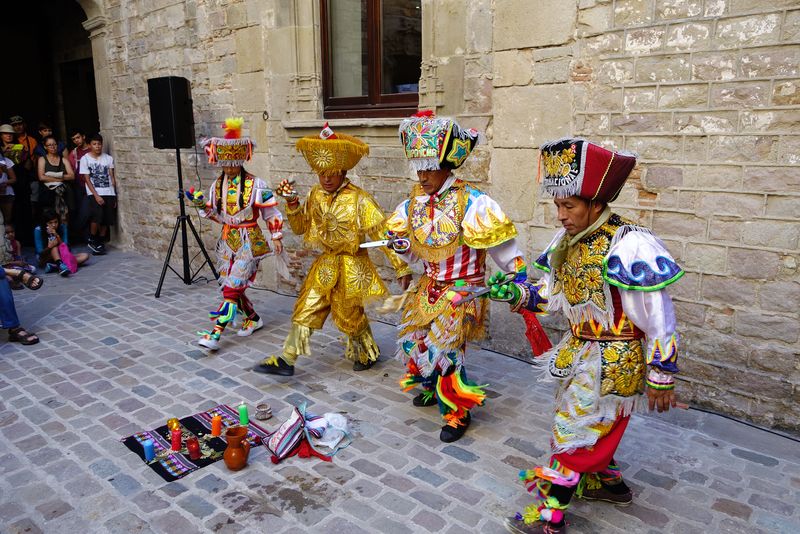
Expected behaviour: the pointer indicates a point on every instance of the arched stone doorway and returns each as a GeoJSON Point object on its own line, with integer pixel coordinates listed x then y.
{"type": "Point", "coordinates": [50, 75]}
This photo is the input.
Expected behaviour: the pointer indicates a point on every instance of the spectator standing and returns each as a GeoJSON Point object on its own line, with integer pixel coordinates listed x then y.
{"type": "Point", "coordinates": [97, 170]}
{"type": "Point", "coordinates": [56, 175]}
{"type": "Point", "coordinates": [46, 130]}
{"type": "Point", "coordinates": [80, 212]}
{"type": "Point", "coordinates": [29, 145]}
{"type": "Point", "coordinates": [7, 180]}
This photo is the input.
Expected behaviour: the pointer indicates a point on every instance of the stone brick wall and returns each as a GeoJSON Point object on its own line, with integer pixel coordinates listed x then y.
{"type": "Point", "coordinates": [708, 94]}
{"type": "Point", "coordinates": [707, 91]}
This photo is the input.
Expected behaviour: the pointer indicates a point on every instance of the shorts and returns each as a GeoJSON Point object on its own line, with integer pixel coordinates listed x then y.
{"type": "Point", "coordinates": [105, 215]}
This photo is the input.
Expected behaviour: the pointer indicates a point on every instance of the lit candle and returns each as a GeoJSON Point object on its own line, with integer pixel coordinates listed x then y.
{"type": "Point", "coordinates": [243, 418]}
{"type": "Point", "coordinates": [174, 424]}
{"type": "Point", "coordinates": [149, 450]}
{"type": "Point", "coordinates": [216, 425]}
{"type": "Point", "coordinates": [176, 440]}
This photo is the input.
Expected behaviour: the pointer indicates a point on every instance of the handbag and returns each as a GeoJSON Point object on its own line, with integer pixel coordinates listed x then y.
{"type": "Point", "coordinates": [67, 257]}
{"type": "Point", "coordinates": [288, 436]}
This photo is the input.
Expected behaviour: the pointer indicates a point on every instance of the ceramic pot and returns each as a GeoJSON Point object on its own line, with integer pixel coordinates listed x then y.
{"type": "Point", "coordinates": [238, 449]}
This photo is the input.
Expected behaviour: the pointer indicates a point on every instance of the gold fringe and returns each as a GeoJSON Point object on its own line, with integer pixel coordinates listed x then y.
{"type": "Point", "coordinates": [362, 347]}
{"type": "Point", "coordinates": [296, 343]}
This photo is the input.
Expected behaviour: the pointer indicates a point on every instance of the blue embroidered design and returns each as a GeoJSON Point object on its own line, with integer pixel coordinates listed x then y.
{"type": "Point", "coordinates": [642, 276]}
{"type": "Point", "coordinates": [543, 262]}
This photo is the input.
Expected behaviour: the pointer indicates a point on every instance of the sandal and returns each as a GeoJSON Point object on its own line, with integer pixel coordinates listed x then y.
{"type": "Point", "coordinates": [20, 335]}
{"type": "Point", "coordinates": [32, 282]}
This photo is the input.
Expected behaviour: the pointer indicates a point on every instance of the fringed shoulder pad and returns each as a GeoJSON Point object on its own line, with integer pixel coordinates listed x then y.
{"type": "Point", "coordinates": [638, 260]}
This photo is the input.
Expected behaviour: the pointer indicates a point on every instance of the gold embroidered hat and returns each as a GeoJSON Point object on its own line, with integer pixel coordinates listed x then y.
{"type": "Point", "coordinates": [331, 153]}
{"type": "Point", "coordinates": [577, 167]}
{"type": "Point", "coordinates": [232, 150]}
{"type": "Point", "coordinates": [432, 143]}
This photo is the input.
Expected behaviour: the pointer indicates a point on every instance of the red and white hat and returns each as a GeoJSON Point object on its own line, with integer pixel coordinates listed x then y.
{"type": "Point", "coordinates": [577, 167]}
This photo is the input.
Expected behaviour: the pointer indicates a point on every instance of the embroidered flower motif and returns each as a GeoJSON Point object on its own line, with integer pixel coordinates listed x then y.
{"type": "Point", "coordinates": [593, 279]}
{"type": "Point", "coordinates": [599, 245]}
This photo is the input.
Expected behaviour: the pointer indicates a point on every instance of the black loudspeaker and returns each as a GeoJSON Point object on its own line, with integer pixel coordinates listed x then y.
{"type": "Point", "coordinates": [171, 112]}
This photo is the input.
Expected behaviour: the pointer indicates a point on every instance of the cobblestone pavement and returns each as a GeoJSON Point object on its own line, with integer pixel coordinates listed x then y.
{"type": "Point", "coordinates": [113, 360]}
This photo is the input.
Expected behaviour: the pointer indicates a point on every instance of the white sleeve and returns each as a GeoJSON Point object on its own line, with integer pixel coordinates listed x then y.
{"type": "Point", "coordinates": [653, 313]}
{"type": "Point", "coordinates": [504, 255]}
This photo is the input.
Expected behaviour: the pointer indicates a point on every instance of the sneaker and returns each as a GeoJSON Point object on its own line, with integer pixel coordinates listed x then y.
{"type": "Point", "coordinates": [274, 366]}
{"type": "Point", "coordinates": [102, 247]}
{"type": "Point", "coordinates": [249, 326]}
{"type": "Point", "coordinates": [518, 526]}
{"type": "Point", "coordinates": [96, 248]}
{"type": "Point", "coordinates": [358, 366]}
{"type": "Point", "coordinates": [209, 341]}
{"type": "Point", "coordinates": [63, 270]}
{"type": "Point", "coordinates": [604, 494]}
{"type": "Point", "coordinates": [425, 399]}
{"type": "Point", "coordinates": [450, 433]}
{"type": "Point", "coordinates": [50, 268]}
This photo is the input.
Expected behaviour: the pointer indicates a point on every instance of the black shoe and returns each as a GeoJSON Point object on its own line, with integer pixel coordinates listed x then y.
{"type": "Point", "coordinates": [450, 434]}
{"type": "Point", "coordinates": [422, 400]}
{"type": "Point", "coordinates": [276, 366]}
{"type": "Point", "coordinates": [358, 366]}
{"type": "Point", "coordinates": [97, 248]}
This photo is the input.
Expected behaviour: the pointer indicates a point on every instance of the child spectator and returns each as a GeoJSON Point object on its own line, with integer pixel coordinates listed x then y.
{"type": "Point", "coordinates": [97, 171]}
{"type": "Point", "coordinates": [79, 216]}
{"type": "Point", "coordinates": [52, 247]}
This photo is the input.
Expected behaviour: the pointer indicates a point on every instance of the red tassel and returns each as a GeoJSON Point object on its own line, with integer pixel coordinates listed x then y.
{"type": "Point", "coordinates": [425, 113]}
{"type": "Point", "coordinates": [536, 335]}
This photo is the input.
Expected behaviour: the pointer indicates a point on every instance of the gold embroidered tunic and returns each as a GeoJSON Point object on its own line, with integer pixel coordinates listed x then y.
{"type": "Point", "coordinates": [343, 277]}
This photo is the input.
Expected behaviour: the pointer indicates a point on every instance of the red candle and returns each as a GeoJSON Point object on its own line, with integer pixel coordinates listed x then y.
{"type": "Point", "coordinates": [176, 440]}
{"type": "Point", "coordinates": [216, 425]}
{"type": "Point", "coordinates": [193, 446]}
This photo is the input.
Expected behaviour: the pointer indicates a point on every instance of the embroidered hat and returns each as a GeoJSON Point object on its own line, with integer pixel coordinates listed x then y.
{"type": "Point", "coordinates": [432, 143]}
{"type": "Point", "coordinates": [576, 167]}
{"type": "Point", "coordinates": [331, 153]}
{"type": "Point", "coordinates": [232, 150]}
{"type": "Point", "coordinates": [16, 119]}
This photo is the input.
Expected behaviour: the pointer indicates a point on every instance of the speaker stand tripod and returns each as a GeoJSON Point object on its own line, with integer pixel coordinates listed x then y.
{"type": "Point", "coordinates": [182, 221]}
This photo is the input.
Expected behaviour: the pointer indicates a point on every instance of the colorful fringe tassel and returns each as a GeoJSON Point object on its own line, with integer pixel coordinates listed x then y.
{"type": "Point", "coordinates": [225, 313]}
{"type": "Point", "coordinates": [457, 396]}
{"type": "Point", "coordinates": [538, 482]}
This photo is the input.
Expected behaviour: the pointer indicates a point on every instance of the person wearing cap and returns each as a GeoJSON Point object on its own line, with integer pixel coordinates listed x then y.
{"type": "Point", "coordinates": [237, 200]}
{"type": "Point", "coordinates": [608, 276]}
{"type": "Point", "coordinates": [336, 217]}
{"type": "Point", "coordinates": [29, 144]}
{"type": "Point", "coordinates": [7, 175]}
{"type": "Point", "coordinates": [451, 226]}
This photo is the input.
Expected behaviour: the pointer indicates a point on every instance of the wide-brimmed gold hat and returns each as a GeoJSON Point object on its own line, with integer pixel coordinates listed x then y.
{"type": "Point", "coordinates": [329, 153]}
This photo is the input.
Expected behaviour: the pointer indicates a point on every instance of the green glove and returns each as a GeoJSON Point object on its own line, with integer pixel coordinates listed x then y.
{"type": "Point", "coordinates": [502, 289]}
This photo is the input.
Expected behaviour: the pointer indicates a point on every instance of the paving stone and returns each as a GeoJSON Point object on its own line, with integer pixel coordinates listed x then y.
{"type": "Point", "coordinates": [143, 391]}
{"type": "Point", "coordinates": [431, 499]}
{"type": "Point", "coordinates": [426, 475]}
{"type": "Point", "coordinates": [127, 522]}
{"type": "Point", "coordinates": [24, 526]}
{"type": "Point", "coordinates": [104, 468]}
{"type": "Point", "coordinates": [733, 508]}
{"type": "Point", "coordinates": [124, 484]}
{"type": "Point", "coordinates": [395, 503]}
{"type": "Point", "coordinates": [429, 521]}
{"type": "Point", "coordinates": [53, 509]}
{"type": "Point", "coordinates": [755, 457]}
{"type": "Point", "coordinates": [771, 505]}
{"type": "Point", "coordinates": [212, 483]}
{"type": "Point", "coordinates": [654, 479]}
{"type": "Point", "coordinates": [368, 468]}
{"type": "Point", "coordinates": [525, 447]}
{"type": "Point", "coordinates": [197, 506]}
{"type": "Point", "coordinates": [341, 525]}
{"type": "Point", "coordinates": [461, 454]}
